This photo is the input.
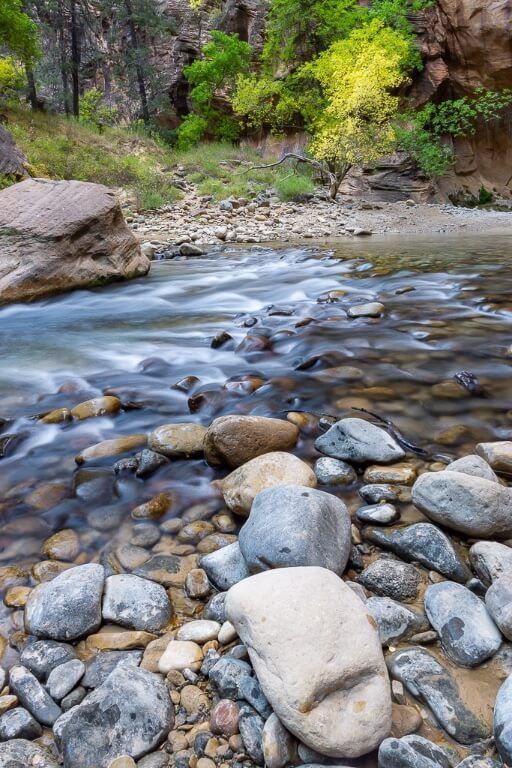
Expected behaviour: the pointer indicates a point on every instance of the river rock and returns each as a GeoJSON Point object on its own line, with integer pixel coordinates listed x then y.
{"type": "Point", "coordinates": [498, 600]}
{"type": "Point", "coordinates": [381, 514]}
{"type": "Point", "coordinates": [224, 718]}
{"type": "Point", "coordinates": [279, 746]}
{"type": "Point", "coordinates": [395, 621]}
{"type": "Point", "coordinates": [472, 505]}
{"type": "Point", "coordinates": [427, 680]}
{"type": "Point", "coordinates": [399, 474]}
{"type": "Point", "coordinates": [467, 632]}
{"type": "Point", "coordinates": [113, 447]}
{"type": "Point", "coordinates": [391, 578]}
{"type": "Point", "coordinates": [32, 695]}
{"type": "Point", "coordinates": [98, 406]}
{"type": "Point", "coordinates": [226, 674]}
{"type": "Point", "coordinates": [130, 713]}
{"type": "Point", "coordinates": [241, 486]}
{"type": "Point", "coordinates": [41, 656]}
{"type": "Point", "coordinates": [234, 440]}
{"type": "Point", "coordinates": [373, 308]}
{"type": "Point", "coordinates": [331, 471]}
{"type": "Point", "coordinates": [62, 235]}
{"type": "Point", "coordinates": [474, 466]}
{"type": "Point", "coordinates": [478, 761]}
{"type": "Point", "coordinates": [225, 566]}
{"type": "Point", "coordinates": [102, 664]}
{"type": "Point", "coordinates": [490, 560]}
{"type": "Point", "coordinates": [67, 607]}
{"type": "Point", "coordinates": [178, 441]}
{"type": "Point", "coordinates": [359, 441]}
{"type": "Point", "coordinates": [291, 525]}
{"type": "Point", "coordinates": [20, 753]}
{"type": "Point", "coordinates": [424, 543]}
{"type": "Point", "coordinates": [412, 752]}
{"type": "Point", "coordinates": [17, 723]}
{"type": "Point", "coordinates": [379, 492]}
{"type": "Point", "coordinates": [181, 654]}
{"type": "Point", "coordinates": [503, 721]}
{"type": "Point", "coordinates": [63, 545]}
{"type": "Point", "coordinates": [332, 693]}
{"type": "Point", "coordinates": [63, 678]}
{"type": "Point", "coordinates": [136, 603]}
{"type": "Point", "coordinates": [200, 631]}
{"type": "Point", "coordinates": [498, 454]}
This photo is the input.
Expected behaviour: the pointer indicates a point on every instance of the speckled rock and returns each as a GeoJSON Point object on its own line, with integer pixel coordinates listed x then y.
{"type": "Point", "coordinates": [497, 454]}
{"type": "Point", "coordinates": [63, 678]}
{"type": "Point", "coordinates": [102, 664]}
{"type": "Point", "coordinates": [32, 695]}
{"type": "Point", "coordinates": [64, 545]}
{"type": "Point", "coordinates": [225, 567]}
{"type": "Point", "coordinates": [136, 603]}
{"type": "Point", "coordinates": [391, 578]}
{"type": "Point", "coordinates": [20, 753]}
{"type": "Point", "coordinates": [467, 632]}
{"type": "Point", "coordinates": [359, 441]}
{"type": "Point", "coordinates": [18, 723]}
{"type": "Point", "coordinates": [200, 631]}
{"type": "Point", "coordinates": [41, 656]}
{"type": "Point", "coordinates": [381, 514]}
{"type": "Point", "coordinates": [234, 440]}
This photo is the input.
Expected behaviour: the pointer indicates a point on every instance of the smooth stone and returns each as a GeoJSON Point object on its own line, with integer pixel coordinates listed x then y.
{"type": "Point", "coordinates": [76, 696]}
{"type": "Point", "coordinates": [250, 691]}
{"type": "Point", "coordinates": [20, 753]}
{"type": "Point", "coordinates": [32, 695]}
{"type": "Point", "coordinates": [373, 308]}
{"type": "Point", "coordinates": [490, 560]}
{"type": "Point", "coordinates": [424, 543]}
{"type": "Point", "coordinates": [154, 508]}
{"type": "Point", "coordinates": [197, 584]}
{"type": "Point", "coordinates": [427, 680]}
{"type": "Point", "coordinates": [467, 632]}
{"type": "Point", "coordinates": [234, 440]}
{"type": "Point", "coordinates": [497, 454]}
{"type": "Point", "coordinates": [124, 761]}
{"type": "Point", "coordinates": [200, 631]}
{"type": "Point", "coordinates": [382, 514]}
{"type": "Point", "coordinates": [41, 656]}
{"type": "Point", "coordinates": [159, 760]}
{"type": "Point", "coordinates": [7, 702]}
{"type": "Point", "coordinates": [332, 693]}
{"type": "Point", "coordinates": [412, 752]}
{"type": "Point", "coordinates": [292, 525]}
{"type": "Point", "coordinates": [400, 474]}
{"type": "Point", "coordinates": [391, 578]}
{"type": "Point", "coordinates": [145, 535]}
{"type": "Point", "coordinates": [225, 567]}
{"type": "Point", "coordinates": [67, 607]}
{"type": "Point", "coordinates": [331, 471]}
{"type": "Point", "coordinates": [63, 678]}
{"type": "Point", "coordinates": [279, 746]}
{"type": "Point", "coordinates": [379, 492]}
{"type": "Point", "coordinates": [114, 638]}
{"type": "Point", "coordinates": [168, 570]}
{"type": "Point", "coordinates": [273, 469]}
{"type": "Point", "coordinates": [181, 654]}
{"type": "Point", "coordinates": [503, 721]}
{"type": "Point", "coordinates": [473, 465]}
{"type": "Point", "coordinates": [64, 545]}
{"type": "Point", "coordinates": [113, 447]}
{"type": "Point", "coordinates": [471, 505]}
{"type": "Point", "coordinates": [136, 603]}
{"type": "Point", "coordinates": [149, 462]}
{"type": "Point", "coordinates": [227, 633]}
{"type": "Point", "coordinates": [17, 723]}
{"type": "Point", "coordinates": [359, 441]}
{"type": "Point", "coordinates": [406, 720]}
{"type": "Point", "coordinates": [224, 718]}
{"type": "Point", "coordinates": [98, 406]}
{"type": "Point", "coordinates": [395, 621]}
{"type": "Point", "coordinates": [178, 441]}
{"type": "Point", "coordinates": [214, 609]}
{"type": "Point", "coordinates": [103, 663]}
{"type": "Point", "coordinates": [226, 674]}
{"type": "Point", "coordinates": [130, 713]}
{"type": "Point", "coordinates": [498, 600]}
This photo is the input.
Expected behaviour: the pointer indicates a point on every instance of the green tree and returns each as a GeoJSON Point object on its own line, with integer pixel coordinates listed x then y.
{"type": "Point", "coordinates": [18, 33]}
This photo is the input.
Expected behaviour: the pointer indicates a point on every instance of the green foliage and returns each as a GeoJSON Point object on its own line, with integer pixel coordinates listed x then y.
{"type": "Point", "coordinates": [294, 186]}
{"type": "Point", "coordinates": [395, 13]}
{"type": "Point", "coordinates": [6, 180]}
{"type": "Point", "coordinates": [12, 77]}
{"type": "Point", "coordinates": [18, 33]}
{"type": "Point", "coordinates": [214, 74]}
{"type": "Point", "coordinates": [484, 196]}
{"type": "Point", "coordinates": [94, 111]}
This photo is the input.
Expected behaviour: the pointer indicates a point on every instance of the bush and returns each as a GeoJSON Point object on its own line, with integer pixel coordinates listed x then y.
{"type": "Point", "coordinates": [93, 111]}
{"type": "Point", "coordinates": [12, 77]}
{"type": "Point", "coordinates": [294, 187]}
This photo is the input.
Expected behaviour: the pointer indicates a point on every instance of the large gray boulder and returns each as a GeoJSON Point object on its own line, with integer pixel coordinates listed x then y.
{"type": "Point", "coordinates": [359, 441]}
{"type": "Point", "coordinates": [291, 525]}
{"type": "Point", "coordinates": [60, 235]}
{"type": "Point", "coordinates": [129, 714]}
{"type": "Point", "coordinates": [318, 657]}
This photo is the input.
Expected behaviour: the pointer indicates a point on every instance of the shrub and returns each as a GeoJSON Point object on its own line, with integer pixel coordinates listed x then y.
{"type": "Point", "coordinates": [294, 187]}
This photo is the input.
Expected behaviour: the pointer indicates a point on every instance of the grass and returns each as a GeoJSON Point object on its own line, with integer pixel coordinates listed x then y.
{"type": "Point", "coordinates": [61, 148]}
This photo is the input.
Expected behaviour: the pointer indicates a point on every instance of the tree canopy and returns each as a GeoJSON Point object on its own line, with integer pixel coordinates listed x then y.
{"type": "Point", "coordinates": [18, 33]}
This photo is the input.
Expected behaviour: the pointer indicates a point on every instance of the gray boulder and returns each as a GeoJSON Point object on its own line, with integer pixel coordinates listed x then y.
{"type": "Point", "coordinates": [468, 634]}
{"type": "Point", "coordinates": [359, 441]}
{"type": "Point", "coordinates": [17, 723]}
{"type": "Point", "coordinates": [330, 471]}
{"type": "Point", "coordinates": [130, 713]}
{"type": "Point", "coordinates": [102, 664]}
{"type": "Point", "coordinates": [136, 603]}
{"type": "Point", "coordinates": [473, 465]}
{"type": "Point", "coordinates": [291, 525]}
{"type": "Point", "coordinates": [41, 656]}
{"type": "Point", "coordinates": [63, 679]}
{"type": "Point", "coordinates": [394, 620]}
{"type": "Point", "coordinates": [472, 505]}
{"type": "Point", "coordinates": [225, 567]}
{"type": "Point", "coordinates": [412, 752]}
{"type": "Point", "coordinates": [67, 607]}
{"type": "Point", "coordinates": [20, 753]}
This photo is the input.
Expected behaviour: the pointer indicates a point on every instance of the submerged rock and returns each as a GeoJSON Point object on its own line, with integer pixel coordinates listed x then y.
{"type": "Point", "coordinates": [359, 441]}
{"type": "Point", "coordinates": [178, 441]}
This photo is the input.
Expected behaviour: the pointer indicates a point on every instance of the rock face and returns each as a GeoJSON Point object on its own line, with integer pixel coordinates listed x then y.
{"type": "Point", "coordinates": [130, 713]}
{"type": "Point", "coordinates": [359, 441]}
{"type": "Point", "coordinates": [291, 525]}
{"type": "Point", "coordinates": [299, 625]}
{"type": "Point", "coordinates": [60, 235]}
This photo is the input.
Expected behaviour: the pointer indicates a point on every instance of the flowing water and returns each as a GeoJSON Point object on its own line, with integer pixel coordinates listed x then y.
{"type": "Point", "coordinates": [448, 308]}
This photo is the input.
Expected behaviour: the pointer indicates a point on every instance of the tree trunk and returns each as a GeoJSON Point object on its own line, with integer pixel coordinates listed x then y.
{"type": "Point", "coordinates": [75, 60]}
{"type": "Point", "coordinates": [35, 104]}
{"type": "Point", "coordinates": [63, 60]}
{"type": "Point", "coordinates": [138, 65]}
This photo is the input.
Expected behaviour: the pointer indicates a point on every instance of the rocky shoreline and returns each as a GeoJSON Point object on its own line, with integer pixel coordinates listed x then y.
{"type": "Point", "coordinates": [271, 626]}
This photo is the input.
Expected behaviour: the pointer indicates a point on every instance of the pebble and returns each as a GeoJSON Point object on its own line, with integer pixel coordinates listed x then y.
{"type": "Point", "coordinates": [224, 718]}
{"type": "Point", "coordinates": [250, 691]}
{"type": "Point", "coordinates": [226, 674]}
{"type": "Point", "coordinates": [180, 655]}
{"type": "Point", "coordinates": [200, 631]}
{"type": "Point", "coordinates": [382, 514]}
{"type": "Point", "coordinates": [145, 535]}
{"type": "Point", "coordinates": [197, 584]}
{"type": "Point", "coordinates": [372, 309]}
{"type": "Point", "coordinates": [32, 695]}
{"type": "Point", "coordinates": [225, 567]}
{"type": "Point", "coordinates": [374, 494]}
{"type": "Point", "coordinates": [467, 632]}
{"type": "Point", "coordinates": [401, 474]}
{"type": "Point", "coordinates": [7, 701]}
{"type": "Point", "coordinates": [62, 679]}
{"type": "Point", "coordinates": [227, 633]}
{"type": "Point", "coordinates": [149, 462]}
{"type": "Point", "coordinates": [98, 406]}
{"type": "Point", "coordinates": [234, 440]}
{"type": "Point", "coordinates": [76, 696]}
{"type": "Point", "coordinates": [391, 578]}
{"type": "Point", "coordinates": [331, 471]}
{"type": "Point", "coordinates": [497, 454]}
{"type": "Point", "coordinates": [251, 731]}
{"type": "Point", "coordinates": [136, 603]}
{"type": "Point", "coordinates": [124, 761]}
{"type": "Point", "coordinates": [113, 447]}
{"type": "Point", "coordinates": [64, 545]}
{"type": "Point", "coordinates": [359, 441]}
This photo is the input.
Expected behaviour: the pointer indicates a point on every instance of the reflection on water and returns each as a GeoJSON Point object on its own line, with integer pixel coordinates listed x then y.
{"type": "Point", "coordinates": [448, 308]}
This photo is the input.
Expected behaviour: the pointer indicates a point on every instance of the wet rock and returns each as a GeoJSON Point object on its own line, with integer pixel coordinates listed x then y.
{"type": "Point", "coordinates": [17, 723]}
{"type": "Point", "coordinates": [467, 632]}
{"type": "Point", "coordinates": [427, 680]}
{"type": "Point", "coordinates": [94, 485]}
{"type": "Point", "coordinates": [145, 535]}
{"type": "Point", "coordinates": [359, 441]}
{"type": "Point", "coordinates": [41, 656]}
{"type": "Point", "coordinates": [424, 543]}
{"type": "Point", "coordinates": [395, 621]}
{"type": "Point", "coordinates": [391, 578]}
{"type": "Point", "coordinates": [98, 406]}
{"type": "Point", "coordinates": [498, 454]}
{"type": "Point", "coordinates": [180, 654]}
{"type": "Point", "coordinates": [225, 567]}
{"type": "Point", "coordinates": [381, 514]}
{"type": "Point", "coordinates": [130, 557]}
{"type": "Point", "coordinates": [153, 509]}
{"type": "Point", "coordinates": [490, 560]}
{"type": "Point", "coordinates": [373, 308]}
{"type": "Point", "coordinates": [474, 466]}
{"type": "Point", "coordinates": [234, 440]}
{"type": "Point", "coordinates": [503, 721]}
{"type": "Point", "coordinates": [401, 474]}
{"type": "Point", "coordinates": [64, 545]}
{"type": "Point", "coordinates": [241, 486]}
{"type": "Point", "coordinates": [224, 718]}
{"type": "Point", "coordinates": [498, 600]}
{"type": "Point", "coordinates": [178, 441]}
{"type": "Point", "coordinates": [56, 416]}
{"type": "Point", "coordinates": [32, 695]}
{"type": "Point", "coordinates": [136, 603]}
{"type": "Point", "coordinates": [63, 678]}
{"type": "Point", "coordinates": [294, 526]}
{"type": "Point", "coordinates": [412, 752]}
{"type": "Point", "coordinates": [102, 664]}
{"type": "Point", "coordinates": [330, 471]}
{"type": "Point", "coordinates": [67, 607]}
{"type": "Point", "coordinates": [109, 448]}
{"type": "Point", "coordinates": [342, 712]}
{"type": "Point", "coordinates": [130, 713]}
{"type": "Point", "coordinates": [465, 503]}
{"type": "Point", "coordinates": [20, 753]}
{"type": "Point", "coordinates": [149, 462]}
{"type": "Point", "coordinates": [375, 494]}
{"type": "Point", "coordinates": [251, 730]}
{"type": "Point", "coordinates": [189, 249]}
{"type": "Point", "coordinates": [279, 746]}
